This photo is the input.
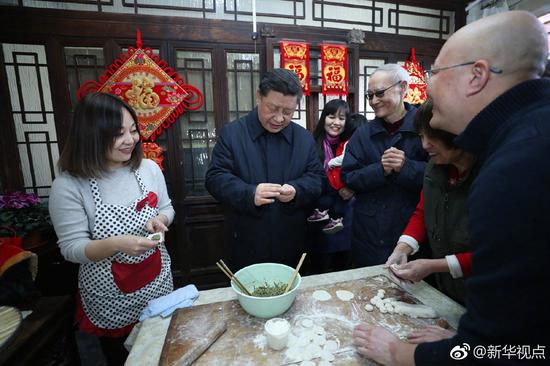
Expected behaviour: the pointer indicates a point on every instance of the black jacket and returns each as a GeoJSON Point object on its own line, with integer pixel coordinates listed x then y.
{"type": "Point", "coordinates": [509, 216]}
{"type": "Point", "coordinates": [383, 203]}
{"type": "Point", "coordinates": [246, 155]}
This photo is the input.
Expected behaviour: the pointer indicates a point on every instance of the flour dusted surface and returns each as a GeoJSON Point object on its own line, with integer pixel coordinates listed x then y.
{"type": "Point", "coordinates": [325, 327]}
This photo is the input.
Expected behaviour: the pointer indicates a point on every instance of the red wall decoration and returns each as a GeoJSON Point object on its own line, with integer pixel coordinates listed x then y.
{"type": "Point", "coordinates": [295, 57]}
{"type": "Point", "coordinates": [155, 91]}
{"type": "Point", "coordinates": [334, 65]}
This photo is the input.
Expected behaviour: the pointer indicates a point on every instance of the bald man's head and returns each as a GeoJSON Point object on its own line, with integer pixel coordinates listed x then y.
{"type": "Point", "coordinates": [482, 61]}
{"type": "Point", "coordinates": [514, 41]}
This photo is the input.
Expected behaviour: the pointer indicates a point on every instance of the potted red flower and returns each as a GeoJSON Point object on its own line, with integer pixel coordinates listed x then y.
{"type": "Point", "coordinates": [21, 213]}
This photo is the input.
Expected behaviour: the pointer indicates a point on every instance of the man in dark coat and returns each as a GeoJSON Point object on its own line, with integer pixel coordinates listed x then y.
{"type": "Point", "coordinates": [266, 173]}
{"type": "Point", "coordinates": [384, 164]}
{"type": "Point", "coordinates": [492, 96]}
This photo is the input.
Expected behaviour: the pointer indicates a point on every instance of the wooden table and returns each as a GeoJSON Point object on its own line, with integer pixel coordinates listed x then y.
{"type": "Point", "coordinates": [148, 338]}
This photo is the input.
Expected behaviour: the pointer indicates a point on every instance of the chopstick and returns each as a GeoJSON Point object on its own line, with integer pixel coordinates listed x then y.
{"type": "Point", "coordinates": [225, 269]}
{"type": "Point", "coordinates": [230, 277]}
{"type": "Point", "coordinates": [235, 278]}
{"type": "Point", "coordinates": [295, 273]}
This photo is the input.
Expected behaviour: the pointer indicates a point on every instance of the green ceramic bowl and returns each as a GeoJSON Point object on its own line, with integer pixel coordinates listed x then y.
{"type": "Point", "coordinates": [258, 274]}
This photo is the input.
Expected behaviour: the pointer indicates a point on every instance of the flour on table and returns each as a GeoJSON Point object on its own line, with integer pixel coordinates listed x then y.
{"type": "Point", "coordinates": [260, 341]}
{"type": "Point", "coordinates": [321, 295]}
{"type": "Point", "coordinates": [308, 363]}
{"type": "Point", "coordinates": [344, 295]}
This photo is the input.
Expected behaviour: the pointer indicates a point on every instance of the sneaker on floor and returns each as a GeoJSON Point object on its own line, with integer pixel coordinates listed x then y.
{"type": "Point", "coordinates": [333, 226]}
{"type": "Point", "coordinates": [317, 216]}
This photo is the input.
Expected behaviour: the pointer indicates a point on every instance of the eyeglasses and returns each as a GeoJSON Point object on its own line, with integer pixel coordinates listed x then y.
{"type": "Point", "coordinates": [380, 93]}
{"type": "Point", "coordinates": [429, 73]}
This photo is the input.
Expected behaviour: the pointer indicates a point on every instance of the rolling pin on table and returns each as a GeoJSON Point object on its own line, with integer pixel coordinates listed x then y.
{"type": "Point", "coordinates": [148, 337]}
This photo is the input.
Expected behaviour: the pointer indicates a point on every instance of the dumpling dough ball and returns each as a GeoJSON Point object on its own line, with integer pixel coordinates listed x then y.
{"type": "Point", "coordinates": [321, 295]}
{"type": "Point", "coordinates": [345, 295]}
{"type": "Point", "coordinates": [303, 340]}
{"type": "Point", "coordinates": [307, 323]}
{"type": "Point", "coordinates": [331, 346]}
{"type": "Point", "coordinates": [312, 351]}
{"type": "Point", "coordinates": [327, 356]}
{"type": "Point", "coordinates": [318, 339]}
{"type": "Point", "coordinates": [317, 329]}
{"type": "Point", "coordinates": [294, 354]}
{"type": "Point", "coordinates": [369, 307]}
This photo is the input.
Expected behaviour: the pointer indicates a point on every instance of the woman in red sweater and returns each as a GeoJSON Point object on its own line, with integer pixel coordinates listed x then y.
{"type": "Point", "coordinates": [440, 217]}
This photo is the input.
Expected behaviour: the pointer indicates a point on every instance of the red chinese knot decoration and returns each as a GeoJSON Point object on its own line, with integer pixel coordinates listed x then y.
{"type": "Point", "coordinates": [295, 57]}
{"type": "Point", "coordinates": [417, 84]}
{"type": "Point", "coordinates": [334, 65]}
{"type": "Point", "coordinates": [155, 91]}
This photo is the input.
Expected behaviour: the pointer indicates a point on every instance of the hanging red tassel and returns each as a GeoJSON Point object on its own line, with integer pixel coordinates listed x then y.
{"type": "Point", "coordinates": [413, 55]}
{"type": "Point", "coordinates": [139, 44]}
{"type": "Point", "coordinates": [417, 85]}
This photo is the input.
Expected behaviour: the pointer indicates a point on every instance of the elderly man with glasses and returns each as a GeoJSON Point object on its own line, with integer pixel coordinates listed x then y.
{"type": "Point", "coordinates": [384, 164]}
{"type": "Point", "coordinates": [487, 89]}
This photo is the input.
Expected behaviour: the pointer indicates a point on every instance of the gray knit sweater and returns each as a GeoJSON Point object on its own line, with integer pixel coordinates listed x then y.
{"type": "Point", "coordinates": [72, 207]}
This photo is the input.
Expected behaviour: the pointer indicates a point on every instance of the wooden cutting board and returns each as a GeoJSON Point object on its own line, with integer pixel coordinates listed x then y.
{"type": "Point", "coordinates": [244, 341]}
{"type": "Point", "coordinates": [187, 339]}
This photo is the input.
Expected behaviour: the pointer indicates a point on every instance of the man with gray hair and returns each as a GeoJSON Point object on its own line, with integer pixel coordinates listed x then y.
{"type": "Point", "coordinates": [384, 164]}
{"type": "Point", "coordinates": [486, 87]}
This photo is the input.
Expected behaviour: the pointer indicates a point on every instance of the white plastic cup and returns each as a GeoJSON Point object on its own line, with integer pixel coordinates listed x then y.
{"type": "Point", "coordinates": [277, 331]}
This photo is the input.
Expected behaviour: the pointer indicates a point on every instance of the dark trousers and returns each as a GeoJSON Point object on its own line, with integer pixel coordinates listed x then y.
{"type": "Point", "coordinates": [114, 351]}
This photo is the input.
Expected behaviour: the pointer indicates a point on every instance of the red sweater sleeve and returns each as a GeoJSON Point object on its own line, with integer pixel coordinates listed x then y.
{"type": "Point", "coordinates": [415, 227]}
{"type": "Point", "coordinates": [465, 261]}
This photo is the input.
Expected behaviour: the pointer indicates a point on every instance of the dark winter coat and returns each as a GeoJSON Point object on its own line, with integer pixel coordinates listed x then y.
{"type": "Point", "coordinates": [246, 155]}
{"type": "Point", "coordinates": [509, 216]}
{"type": "Point", "coordinates": [383, 203]}
{"type": "Point", "coordinates": [446, 222]}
